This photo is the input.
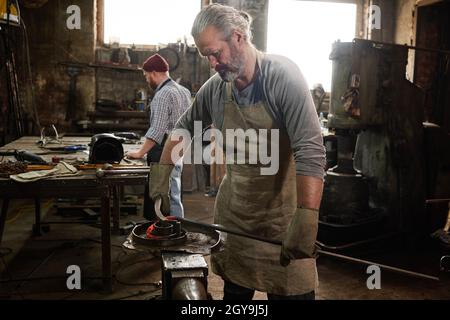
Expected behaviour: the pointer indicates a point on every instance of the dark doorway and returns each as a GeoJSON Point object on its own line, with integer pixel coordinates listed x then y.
{"type": "Point", "coordinates": [432, 70]}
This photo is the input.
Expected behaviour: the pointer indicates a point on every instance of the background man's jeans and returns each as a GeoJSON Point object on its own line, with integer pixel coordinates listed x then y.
{"type": "Point", "coordinates": [176, 206]}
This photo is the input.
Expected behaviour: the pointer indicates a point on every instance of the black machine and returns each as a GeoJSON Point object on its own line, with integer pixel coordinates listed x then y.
{"type": "Point", "coordinates": [105, 148]}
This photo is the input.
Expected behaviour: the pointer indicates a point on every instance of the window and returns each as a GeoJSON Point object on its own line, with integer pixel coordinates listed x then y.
{"type": "Point", "coordinates": [149, 21]}
{"type": "Point", "coordinates": [305, 30]}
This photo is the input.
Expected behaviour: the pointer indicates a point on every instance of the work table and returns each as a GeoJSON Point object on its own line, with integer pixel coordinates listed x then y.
{"type": "Point", "coordinates": [86, 184]}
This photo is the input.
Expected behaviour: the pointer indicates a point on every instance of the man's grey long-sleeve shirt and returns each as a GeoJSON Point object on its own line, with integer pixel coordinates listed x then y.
{"type": "Point", "coordinates": [280, 83]}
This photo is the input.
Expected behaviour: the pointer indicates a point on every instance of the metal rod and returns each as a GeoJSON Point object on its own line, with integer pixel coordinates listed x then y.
{"type": "Point", "coordinates": [106, 242]}
{"type": "Point", "coordinates": [405, 46]}
{"type": "Point", "coordinates": [320, 251]}
{"type": "Point", "coordinates": [3, 215]}
{"type": "Point", "coordinates": [383, 266]}
{"type": "Point", "coordinates": [356, 243]}
{"type": "Point", "coordinates": [218, 227]}
{"type": "Point", "coordinates": [437, 200]}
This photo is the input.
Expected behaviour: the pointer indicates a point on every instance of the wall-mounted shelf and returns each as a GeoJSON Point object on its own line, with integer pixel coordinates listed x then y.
{"type": "Point", "coordinates": [110, 121]}
{"type": "Point", "coordinates": [116, 67]}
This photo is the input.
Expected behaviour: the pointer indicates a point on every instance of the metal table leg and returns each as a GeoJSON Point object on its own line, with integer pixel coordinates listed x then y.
{"type": "Point", "coordinates": [37, 232]}
{"type": "Point", "coordinates": [106, 243]}
{"type": "Point", "coordinates": [116, 210]}
{"type": "Point", "coordinates": [3, 215]}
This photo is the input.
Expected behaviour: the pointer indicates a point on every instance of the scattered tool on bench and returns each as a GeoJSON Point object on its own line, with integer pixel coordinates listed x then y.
{"type": "Point", "coordinates": [24, 156]}
{"type": "Point", "coordinates": [64, 149]}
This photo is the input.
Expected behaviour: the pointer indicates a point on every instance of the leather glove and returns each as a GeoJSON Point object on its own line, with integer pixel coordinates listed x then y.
{"type": "Point", "coordinates": [159, 184]}
{"type": "Point", "coordinates": [299, 241]}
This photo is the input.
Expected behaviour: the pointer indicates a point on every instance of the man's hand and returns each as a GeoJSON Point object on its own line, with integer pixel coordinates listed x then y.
{"type": "Point", "coordinates": [145, 148]}
{"type": "Point", "coordinates": [134, 154]}
{"type": "Point", "coordinates": [159, 185]}
{"type": "Point", "coordinates": [299, 241]}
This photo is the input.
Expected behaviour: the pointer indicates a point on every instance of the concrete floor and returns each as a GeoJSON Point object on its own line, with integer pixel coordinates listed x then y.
{"type": "Point", "coordinates": [45, 259]}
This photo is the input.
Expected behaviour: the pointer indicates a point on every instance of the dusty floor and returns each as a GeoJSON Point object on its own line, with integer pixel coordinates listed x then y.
{"type": "Point", "coordinates": [38, 264]}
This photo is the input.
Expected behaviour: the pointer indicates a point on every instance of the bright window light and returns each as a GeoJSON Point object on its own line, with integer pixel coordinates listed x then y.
{"type": "Point", "coordinates": [149, 21]}
{"type": "Point", "coordinates": [305, 30]}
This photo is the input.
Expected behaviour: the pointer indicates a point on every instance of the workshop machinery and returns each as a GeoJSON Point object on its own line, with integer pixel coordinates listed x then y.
{"type": "Point", "coordinates": [375, 190]}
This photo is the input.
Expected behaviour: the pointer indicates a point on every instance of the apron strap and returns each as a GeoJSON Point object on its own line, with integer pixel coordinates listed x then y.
{"type": "Point", "coordinates": [229, 93]}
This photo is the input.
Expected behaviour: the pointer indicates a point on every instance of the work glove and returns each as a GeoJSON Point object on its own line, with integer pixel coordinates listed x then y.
{"type": "Point", "coordinates": [159, 185]}
{"type": "Point", "coordinates": [299, 241]}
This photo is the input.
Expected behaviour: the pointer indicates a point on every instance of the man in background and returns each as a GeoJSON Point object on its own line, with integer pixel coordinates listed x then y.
{"type": "Point", "coordinates": [170, 101]}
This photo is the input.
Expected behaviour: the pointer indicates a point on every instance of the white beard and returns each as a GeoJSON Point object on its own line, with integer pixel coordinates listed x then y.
{"type": "Point", "coordinates": [236, 66]}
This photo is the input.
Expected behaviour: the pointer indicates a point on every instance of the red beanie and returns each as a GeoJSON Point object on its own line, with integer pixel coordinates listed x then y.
{"type": "Point", "coordinates": [156, 63]}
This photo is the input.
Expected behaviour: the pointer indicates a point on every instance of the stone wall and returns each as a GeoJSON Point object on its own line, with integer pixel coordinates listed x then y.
{"type": "Point", "coordinates": [56, 50]}
{"type": "Point", "coordinates": [52, 44]}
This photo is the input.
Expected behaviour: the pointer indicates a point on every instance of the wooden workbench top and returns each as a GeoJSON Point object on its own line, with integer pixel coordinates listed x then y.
{"type": "Point", "coordinates": [29, 143]}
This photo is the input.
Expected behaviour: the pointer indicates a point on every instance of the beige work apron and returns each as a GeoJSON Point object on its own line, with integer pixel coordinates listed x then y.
{"type": "Point", "coordinates": [261, 205]}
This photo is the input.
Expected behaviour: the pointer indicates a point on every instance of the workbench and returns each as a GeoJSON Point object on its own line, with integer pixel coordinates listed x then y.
{"type": "Point", "coordinates": [84, 185]}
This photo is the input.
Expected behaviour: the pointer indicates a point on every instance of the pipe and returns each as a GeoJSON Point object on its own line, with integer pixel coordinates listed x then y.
{"type": "Point", "coordinates": [437, 201]}
{"type": "Point", "coordinates": [216, 227]}
{"type": "Point", "coordinates": [100, 173]}
{"type": "Point", "coordinates": [383, 266]}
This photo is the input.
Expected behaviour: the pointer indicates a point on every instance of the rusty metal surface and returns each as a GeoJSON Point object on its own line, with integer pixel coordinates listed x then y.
{"type": "Point", "coordinates": [184, 276]}
{"type": "Point", "coordinates": [172, 238]}
{"type": "Point", "coordinates": [176, 261]}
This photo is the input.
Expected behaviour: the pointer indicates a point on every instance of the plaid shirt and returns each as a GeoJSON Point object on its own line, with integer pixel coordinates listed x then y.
{"type": "Point", "coordinates": [171, 100]}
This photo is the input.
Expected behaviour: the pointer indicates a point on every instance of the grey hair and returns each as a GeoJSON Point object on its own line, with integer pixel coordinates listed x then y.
{"type": "Point", "coordinates": [224, 18]}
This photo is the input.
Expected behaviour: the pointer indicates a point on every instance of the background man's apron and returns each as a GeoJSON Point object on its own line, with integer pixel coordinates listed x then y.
{"type": "Point", "coordinates": [176, 205]}
{"type": "Point", "coordinates": [261, 205]}
{"type": "Point", "coordinates": [153, 156]}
